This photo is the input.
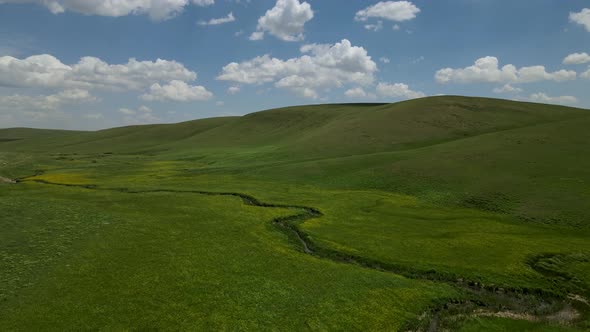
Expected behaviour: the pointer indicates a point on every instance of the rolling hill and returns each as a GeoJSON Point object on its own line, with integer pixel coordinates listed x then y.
{"type": "Point", "coordinates": [449, 211]}
{"type": "Point", "coordinates": [479, 152]}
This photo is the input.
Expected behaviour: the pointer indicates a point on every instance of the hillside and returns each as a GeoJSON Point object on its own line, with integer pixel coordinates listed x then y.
{"type": "Point", "coordinates": [290, 217]}
{"type": "Point", "coordinates": [492, 154]}
{"type": "Point", "coordinates": [317, 130]}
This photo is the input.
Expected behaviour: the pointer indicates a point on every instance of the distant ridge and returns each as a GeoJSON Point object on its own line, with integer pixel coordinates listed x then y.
{"type": "Point", "coordinates": [312, 130]}
{"type": "Point", "coordinates": [460, 150]}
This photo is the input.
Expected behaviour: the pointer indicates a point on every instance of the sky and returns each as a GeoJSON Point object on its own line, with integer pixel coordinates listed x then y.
{"type": "Point", "coordinates": [91, 64]}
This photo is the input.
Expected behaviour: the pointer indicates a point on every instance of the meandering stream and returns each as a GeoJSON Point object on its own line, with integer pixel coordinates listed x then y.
{"type": "Point", "coordinates": [473, 307]}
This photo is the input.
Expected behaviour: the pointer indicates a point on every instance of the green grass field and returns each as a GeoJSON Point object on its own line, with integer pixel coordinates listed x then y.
{"type": "Point", "coordinates": [432, 209]}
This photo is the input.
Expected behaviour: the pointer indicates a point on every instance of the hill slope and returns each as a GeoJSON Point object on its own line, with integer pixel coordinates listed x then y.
{"type": "Point", "coordinates": [446, 193]}
{"type": "Point", "coordinates": [523, 158]}
{"type": "Point", "coordinates": [318, 130]}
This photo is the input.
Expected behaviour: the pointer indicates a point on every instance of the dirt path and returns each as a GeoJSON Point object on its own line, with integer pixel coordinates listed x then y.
{"type": "Point", "coordinates": [565, 314]}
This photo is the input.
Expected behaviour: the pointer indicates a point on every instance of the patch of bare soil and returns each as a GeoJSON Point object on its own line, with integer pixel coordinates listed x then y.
{"type": "Point", "coordinates": [6, 180]}
{"type": "Point", "coordinates": [578, 298]}
{"type": "Point", "coordinates": [506, 314]}
{"type": "Point", "coordinates": [566, 315]}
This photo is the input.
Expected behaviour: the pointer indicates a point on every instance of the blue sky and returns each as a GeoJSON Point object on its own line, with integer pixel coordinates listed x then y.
{"type": "Point", "coordinates": [66, 63]}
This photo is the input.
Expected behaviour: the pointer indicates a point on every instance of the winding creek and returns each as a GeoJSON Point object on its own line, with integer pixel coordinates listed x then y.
{"type": "Point", "coordinates": [506, 302]}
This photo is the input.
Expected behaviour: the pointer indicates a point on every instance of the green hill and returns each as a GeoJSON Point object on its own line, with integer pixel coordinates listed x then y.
{"type": "Point", "coordinates": [522, 158]}
{"type": "Point", "coordinates": [323, 130]}
{"type": "Point", "coordinates": [472, 205]}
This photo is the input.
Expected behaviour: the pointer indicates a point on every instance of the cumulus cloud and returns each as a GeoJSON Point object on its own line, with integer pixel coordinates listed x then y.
{"type": "Point", "coordinates": [126, 111]}
{"type": "Point", "coordinates": [586, 74]}
{"type": "Point", "coordinates": [398, 90]}
{"type": "Point", "coordinates": [507, 88]}
{"type": "Point", "coordinates": [155, 9]}
{"type": "Point", "coordinates": [203, 3]}
{"type": "Point", "coordinates": [256, 35]}
{"type": "Point", "coordinates": [384, 59]}
{"type": "Point", "coordinates": [322, 66]}
{"type": "Point", "coordinates": [576, 59]}
{"type": "Point", "coordinates": [487, 70]}
{"type": "Point", "coordinates": [357, 92]}
{"type": "Point", "coordinates": [47, 71]}
{"type": "Point", "coordinates": [538, 73]}
{"type": "Point", "coordinates": [544, 98]}
{"type": "Point", "coordinates": [286, 21]}
{"type": "Point", "coordinates": [374, 27]}
{"type": "Point", "coordinates": [143, 115]}
{"type": "Point", "coordinates": [582, 18]}
{"type": "Point", "coordinates": [217, 21]}
{"type": "Point", "coordinates": [417, 60]}
{"type": "Point", "coordinates": [232, 90]}
{"type": "Point", "coordinates": [19, 110]}
{"type": "Point", "coordinates": [389, 10]}
{"type": "Point", "coordinates": [176, 91]}
{"type": "Point", "coordinates": [46, 102]}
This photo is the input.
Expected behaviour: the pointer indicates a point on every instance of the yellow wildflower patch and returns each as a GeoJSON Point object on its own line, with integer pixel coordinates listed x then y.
{"type": "Point", "coordinates": [64, 178]}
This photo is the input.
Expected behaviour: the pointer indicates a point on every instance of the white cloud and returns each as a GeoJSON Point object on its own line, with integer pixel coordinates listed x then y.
{"type": "Point", "coordinates": [286, 21]}
{"type": "Point", "coordinates": [586, 74]}
{"type": "Point", "coordinates": [374, 27]}
{"type": "Point", "coordinates": [357, 92]}
{"type": "Point", "coordinates": [257, 35]}
{"type": "Point", "coordinates": [323, 66]}
{"type": "Point", "coordinates": [417, 60]}
{"type": "Point", "coordinates": [203, 3]}
{"type": "Point", "coordinates": [39, 70]}
{"type": "Point", "coordinates": [232, 90]}
{"type": "Point", "coordinates": [396, 27]}
{"type": "Point", "coordinates": [398, 90]}
{"type": "Point", "coordinates": [143, 115]}
{"type": "Point", "coordinates": [543, 98]}
{"type": "Point", "coordinates": [486, 70]}
{"type": "Point", "coordinates": [155, 9]}
{"type": "Point", "coordinates": [40, 110]}
{"type": "Point", "coordinates": [217, 21]}
{"type": "Point", "coordinates": [538, 73]}
{"type": "Point", "coordinates": [582, 18]}
{"type": "Point", "coordinates": [176, 91]}
{"type": "Point", "coordinates": [390, 10]}
{"type": "Point", "coordinates": [384, 59]}
{"type": "Point", "coordinates": [144, 109]}
{"type": "Point", "coordinates": [45, 102]}
{"type": "Point", "coordinates": [47, 71]}
{"type": "Point", "coordinates": [507, 88]}
{"type": "Point", "coordinates": [576, 59]}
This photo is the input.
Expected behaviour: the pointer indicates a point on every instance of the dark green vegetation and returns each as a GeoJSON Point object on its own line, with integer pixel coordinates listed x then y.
{"type": "Point", "coordinates": [433, 210]}
{"type": "Point", "coordinates": [504, 324]}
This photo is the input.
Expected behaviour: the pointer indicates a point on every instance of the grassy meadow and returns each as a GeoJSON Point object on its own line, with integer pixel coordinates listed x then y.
{"type": "Point", "coordinates": [432, 209]}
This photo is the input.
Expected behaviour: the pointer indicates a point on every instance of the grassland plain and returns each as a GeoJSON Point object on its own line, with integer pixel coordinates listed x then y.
{"type": "Point", "coordinates": [450, 193]}
{"type": "Point", "coordinates": [87, 259]}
